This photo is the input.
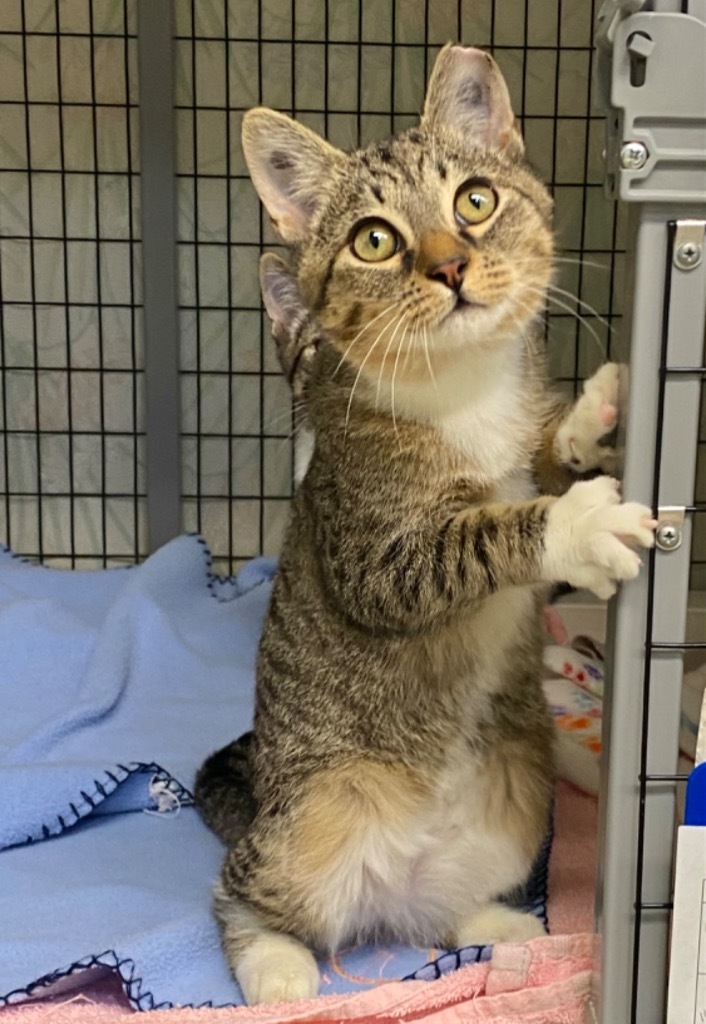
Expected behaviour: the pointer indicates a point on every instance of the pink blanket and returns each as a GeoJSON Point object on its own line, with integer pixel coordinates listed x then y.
{"type": "Point", "coordinates": [543, 982]}
{"type": "Point", "coordinates": [546, 981]}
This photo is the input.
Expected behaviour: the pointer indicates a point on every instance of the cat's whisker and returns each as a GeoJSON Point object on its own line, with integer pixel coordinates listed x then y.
{"type": "Point", "coordinates": [528, 339]}
{"type": "Point", "coordinates": [581, 302]}
{"type": "Point", "coordinates": [384, 358]}
{"type": "Point", "coordinates": [291, 437]}
{"type": "Point", "coordinates": [582, 263]}
{"type": "Point", "coordinates": [361, 333]}
{"type": "Point", "coordinates": [360, 370]}
{"type": "Point", "coordinates": [533, 260]}
{"type": "Point", "coordinates": [582, 320]}
{"type": "Point", "coordinates": [394, 374]}
{"type": "Point", "coordinates": [574, 313]}
{"type": "Point", "coordinates": [415, 339]}
{"type": "Point", "coordinates": [411, 344]}
{"type": "Point", "coordinates": [427, 357]}
{"type": "Point", "coordinates": [292, 410]}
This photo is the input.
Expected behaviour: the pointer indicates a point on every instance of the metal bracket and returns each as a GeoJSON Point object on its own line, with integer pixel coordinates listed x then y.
{"type": "Point", "coordinates": [670, 527]}
{"type": "Point", "coordinates": [689, 244]}
{"type": "Point", "coordinates": [655, 125]}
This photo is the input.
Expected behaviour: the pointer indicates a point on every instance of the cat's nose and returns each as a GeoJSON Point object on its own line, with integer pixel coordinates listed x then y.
{"type": "Point", "coordinates": [449, 272]}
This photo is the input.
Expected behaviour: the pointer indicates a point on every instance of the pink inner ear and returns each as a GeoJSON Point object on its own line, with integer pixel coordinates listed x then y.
{"type": "Point", "coordinates": [467, 92]}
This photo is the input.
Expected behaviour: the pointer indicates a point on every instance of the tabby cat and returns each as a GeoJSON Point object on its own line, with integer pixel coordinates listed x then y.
{"type": "Point", "coordinates": [398, 778]}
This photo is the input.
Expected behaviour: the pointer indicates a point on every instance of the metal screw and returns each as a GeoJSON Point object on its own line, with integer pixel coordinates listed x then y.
{"type": "Point", "coordinates": [668, 537]}
{"type": "Point", "coordinates": [633, 156]}
{"type": "Point", "coordinates": [688, 255]}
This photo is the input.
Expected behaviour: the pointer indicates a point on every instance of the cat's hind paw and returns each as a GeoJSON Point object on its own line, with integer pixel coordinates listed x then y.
{"type": "Point", "coordinates": [498, 923]}
{"type": "Point", "coordinates": [275, 969]}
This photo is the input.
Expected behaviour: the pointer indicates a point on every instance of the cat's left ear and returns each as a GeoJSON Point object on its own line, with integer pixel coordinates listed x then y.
{"type": "Point", "coordinates": [467, 92]}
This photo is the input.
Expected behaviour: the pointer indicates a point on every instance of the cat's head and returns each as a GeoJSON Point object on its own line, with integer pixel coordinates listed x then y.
{"type": "Point", "coordinates": [439, 237]}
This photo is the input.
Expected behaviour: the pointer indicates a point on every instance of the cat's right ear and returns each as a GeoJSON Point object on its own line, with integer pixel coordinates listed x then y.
{"type": "Point", "coordinates": [287, 163]}
{"type": "Point", "coordinates": [280, 293]}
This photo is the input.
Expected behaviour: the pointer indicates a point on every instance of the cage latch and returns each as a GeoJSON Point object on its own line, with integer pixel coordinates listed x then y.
{"type": "Point", "coordinates": [670, 527]}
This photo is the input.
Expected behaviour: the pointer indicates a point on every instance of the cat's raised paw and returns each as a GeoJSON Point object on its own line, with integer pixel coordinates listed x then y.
{"type": "Point", "coordinates": [276, 969]}
{"type": "Point", "coordinates": [581, 440]}
{"type": "Point", "coordinates": [591, 537]}
{"type": "Point", "coordinates": [498, 923]}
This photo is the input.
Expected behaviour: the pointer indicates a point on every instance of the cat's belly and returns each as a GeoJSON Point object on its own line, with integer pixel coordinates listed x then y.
{"type": "Point", "coordinates": [463, 859]}
{"type": "Point", "coordinates": [415, 870]}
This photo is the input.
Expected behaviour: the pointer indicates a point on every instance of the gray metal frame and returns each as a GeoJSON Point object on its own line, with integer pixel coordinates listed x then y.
{"type": "Point", "coordinates": [155, 32]}
{"type": "Point", "coordinates": [659, 164]}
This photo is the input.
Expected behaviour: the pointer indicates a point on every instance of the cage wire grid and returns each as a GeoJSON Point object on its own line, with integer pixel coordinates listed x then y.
{"type": "Point", "coordinates": [72, 406]}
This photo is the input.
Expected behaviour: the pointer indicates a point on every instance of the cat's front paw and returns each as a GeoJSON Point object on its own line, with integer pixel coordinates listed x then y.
{"type": "Point", "coordinates": [581, 440]}
{"type": "Point", "coordinates": [590, 537]}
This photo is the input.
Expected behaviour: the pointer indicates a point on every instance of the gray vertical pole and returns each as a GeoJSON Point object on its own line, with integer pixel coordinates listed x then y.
{"type": "Point", "coordinates": [656, 160]}
{"type": "Point", "coordinates": [159, 268]}
{"type": "Point", "coordinates": [668, 301]}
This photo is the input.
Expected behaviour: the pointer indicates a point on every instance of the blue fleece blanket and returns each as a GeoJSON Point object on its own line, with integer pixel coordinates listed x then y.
{"type": "Point", "coordinates": [114, 686]}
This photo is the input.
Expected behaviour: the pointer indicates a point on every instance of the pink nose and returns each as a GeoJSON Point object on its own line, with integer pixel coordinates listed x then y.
{"type": "Point", "coordinates": [449, 272]}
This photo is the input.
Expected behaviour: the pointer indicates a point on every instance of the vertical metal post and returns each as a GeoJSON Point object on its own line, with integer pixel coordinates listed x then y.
{"type": "Point", "coordinates": [656, 159]}
{"type": "Point", "coordinates": [159, 269]}
{"type": "Point", "coordinates": [641, 726]}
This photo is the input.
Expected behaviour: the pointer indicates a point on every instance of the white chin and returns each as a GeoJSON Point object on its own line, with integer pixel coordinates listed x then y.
{"type": "Point", "coordinates": [470, 325]}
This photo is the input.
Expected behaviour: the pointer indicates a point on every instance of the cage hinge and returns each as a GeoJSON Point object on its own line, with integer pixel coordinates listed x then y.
{"type": "Point", "coordinates": [670, 527]}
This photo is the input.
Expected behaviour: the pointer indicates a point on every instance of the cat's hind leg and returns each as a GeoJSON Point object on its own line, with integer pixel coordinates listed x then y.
{"type": "Point", "coordinates": [269, 966]}
{"type": "Point", "coordinates": [496, 922]}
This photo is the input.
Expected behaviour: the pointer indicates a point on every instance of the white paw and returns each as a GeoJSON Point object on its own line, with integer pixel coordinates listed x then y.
{"type": "Point", "coordinates": [588, 533]}
{"type": "Point", "coordinates": [276, 969]}
{"type": "Point", "coordinates": [498, 923]}
{"type": "Point", "coordinates": [578, 441]}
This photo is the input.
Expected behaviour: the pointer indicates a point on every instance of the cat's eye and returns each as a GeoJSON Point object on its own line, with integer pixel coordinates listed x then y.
{"type": "Point", "coordinates": [475, 202]}
{"type": "Point", "coordinates": [375, 241]}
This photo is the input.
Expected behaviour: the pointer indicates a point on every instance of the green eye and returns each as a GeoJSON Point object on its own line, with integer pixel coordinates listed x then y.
{"type": "Point", "coordinates": [475, 202]}
{"type": "Point", "coordinates": [375, 241]}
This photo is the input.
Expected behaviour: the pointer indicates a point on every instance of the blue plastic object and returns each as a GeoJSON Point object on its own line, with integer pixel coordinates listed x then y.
{"type": "Point", "coordinates": [695, 811]}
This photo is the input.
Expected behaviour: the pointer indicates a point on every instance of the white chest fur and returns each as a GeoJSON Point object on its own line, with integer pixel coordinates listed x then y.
{"type": "Point", "coordinates": [488, 431]}
{"type": "Point", "coordinates": [477, 402]}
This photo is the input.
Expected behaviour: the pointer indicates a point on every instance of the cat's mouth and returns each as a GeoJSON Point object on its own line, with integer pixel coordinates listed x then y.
{"type": "Point", "coordinates": [463, 304]}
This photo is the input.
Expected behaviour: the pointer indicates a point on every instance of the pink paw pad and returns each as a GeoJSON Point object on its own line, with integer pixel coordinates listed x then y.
{"type": "Point", "coordinates": [608, 414]}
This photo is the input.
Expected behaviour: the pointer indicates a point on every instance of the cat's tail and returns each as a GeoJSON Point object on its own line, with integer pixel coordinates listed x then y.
{"type": "Point", "coordinates": [223, 790]}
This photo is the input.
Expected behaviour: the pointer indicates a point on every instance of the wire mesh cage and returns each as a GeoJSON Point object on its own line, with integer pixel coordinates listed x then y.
{"type": "Point", "coordinates": [74, 484]}
{"type": "Point", "coordinates": [97, 373]}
